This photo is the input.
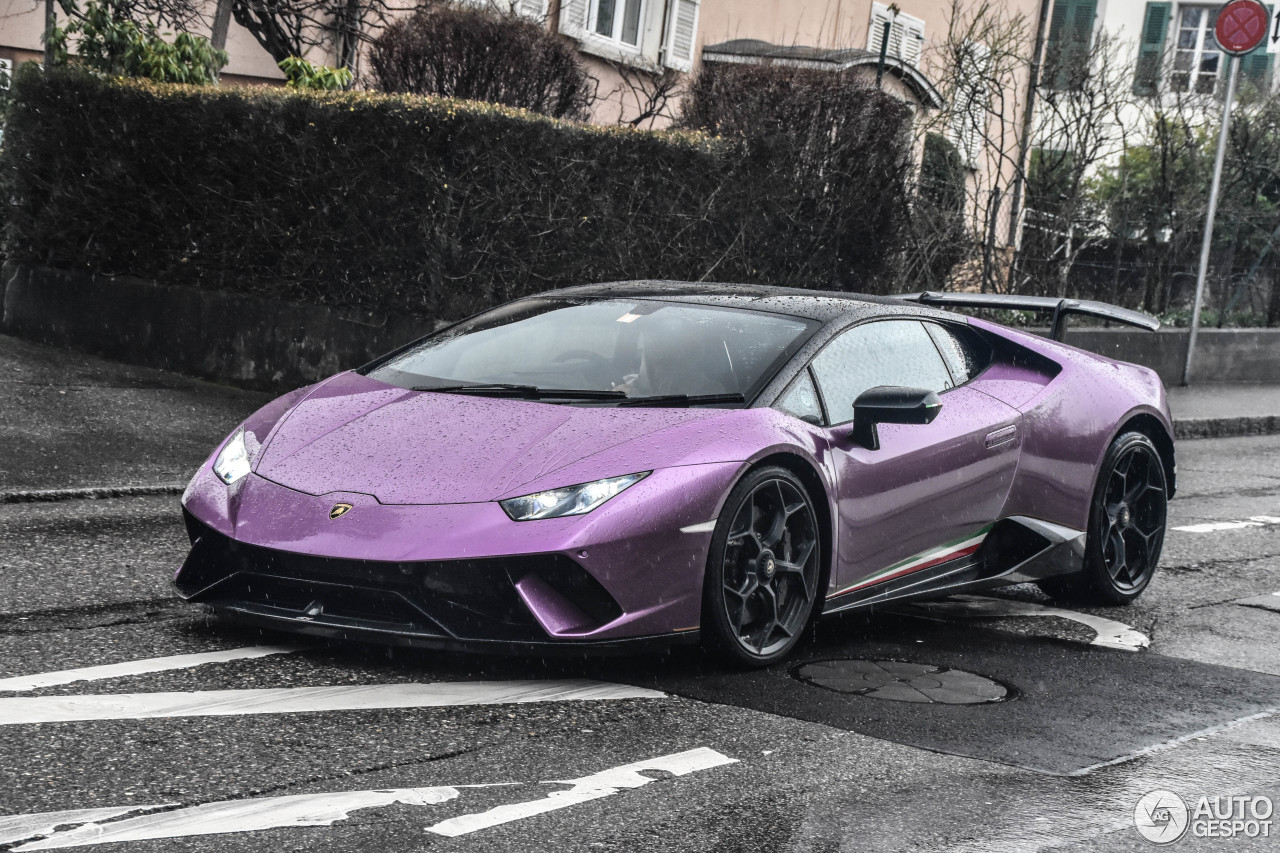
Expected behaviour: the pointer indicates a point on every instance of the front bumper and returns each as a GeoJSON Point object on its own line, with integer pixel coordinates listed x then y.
{"type": "Point", "coordinates": [459, 576]}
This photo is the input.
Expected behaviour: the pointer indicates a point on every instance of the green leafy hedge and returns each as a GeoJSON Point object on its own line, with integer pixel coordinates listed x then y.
{"type": "Point", "coordinates": [407, 203]}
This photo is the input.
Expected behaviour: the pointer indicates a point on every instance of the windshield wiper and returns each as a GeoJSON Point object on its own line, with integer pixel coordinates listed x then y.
{"type": "Point", "coordinates": [684, 400]}
{"type": "Point", "coordinates": [524, 392]}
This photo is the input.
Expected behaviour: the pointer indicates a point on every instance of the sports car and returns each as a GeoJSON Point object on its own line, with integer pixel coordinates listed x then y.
{"type": "Point", "coordinates": [609, 466]}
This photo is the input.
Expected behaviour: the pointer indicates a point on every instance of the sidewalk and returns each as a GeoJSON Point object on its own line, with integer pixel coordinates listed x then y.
{"type": "Point", "coordinates": [81, 426]}
{"type": "Point", "coordinates": [1214, 411]}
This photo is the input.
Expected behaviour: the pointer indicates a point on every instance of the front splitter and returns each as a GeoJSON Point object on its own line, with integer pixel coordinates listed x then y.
{"type": "Point", "coordinates": [353, 631]}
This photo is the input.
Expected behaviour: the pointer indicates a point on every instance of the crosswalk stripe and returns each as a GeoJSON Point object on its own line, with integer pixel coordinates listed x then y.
{"type": "Point", "coordinates": [20, 683]}
{"type": "Point", "coordinates": [603, 784]}
{"type": "Point", "coordinates": [25, 710]}
{"type": "Point", "coordinates": [88, 827]}
{"type": "Point", "coordinates": [17, 827]}
{"type": "Point", "coordinates": [240, 816]}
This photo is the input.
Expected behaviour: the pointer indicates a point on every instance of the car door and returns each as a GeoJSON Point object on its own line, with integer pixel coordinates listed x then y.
{"type": "Point", "coordinates": [927, 494]}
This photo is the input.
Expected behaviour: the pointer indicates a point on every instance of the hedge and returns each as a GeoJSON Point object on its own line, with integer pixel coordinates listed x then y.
{"type": "Point", "coordinates": [406, 203]}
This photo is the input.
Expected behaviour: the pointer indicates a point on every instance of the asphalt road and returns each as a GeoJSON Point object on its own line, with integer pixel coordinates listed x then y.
{"type": "Point", "coordinates": [681, 755]}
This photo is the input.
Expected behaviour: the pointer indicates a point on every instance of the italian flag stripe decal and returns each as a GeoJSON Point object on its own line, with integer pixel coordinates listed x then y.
{"type": "Point", "coordinates": [953, 550]}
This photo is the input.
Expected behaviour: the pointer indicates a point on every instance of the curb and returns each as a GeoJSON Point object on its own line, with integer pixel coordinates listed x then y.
{"type": "Point", "coordinates": [1226, 427]}
{"type": "Point", "coordinates": [91, 494]}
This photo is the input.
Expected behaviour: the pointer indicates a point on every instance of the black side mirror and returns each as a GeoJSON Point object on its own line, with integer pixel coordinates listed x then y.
{"type": "Point", "coordinates": [890, 404]}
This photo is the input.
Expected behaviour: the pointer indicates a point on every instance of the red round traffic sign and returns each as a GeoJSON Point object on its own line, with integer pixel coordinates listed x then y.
{"type": "Point", "coordinates": [1242, 24]}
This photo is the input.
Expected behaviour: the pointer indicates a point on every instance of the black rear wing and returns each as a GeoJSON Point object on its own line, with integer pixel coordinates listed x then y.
{"type": "Point", "coordinates": [1060, 308]}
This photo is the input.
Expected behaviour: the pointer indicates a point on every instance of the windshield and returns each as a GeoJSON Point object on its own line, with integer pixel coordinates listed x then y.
{"type": "Point", "coordinates": [640, 348]}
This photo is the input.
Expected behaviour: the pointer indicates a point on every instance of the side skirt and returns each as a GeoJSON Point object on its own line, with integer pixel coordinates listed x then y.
{"type": "Point", "coordinates": [1014, 550]}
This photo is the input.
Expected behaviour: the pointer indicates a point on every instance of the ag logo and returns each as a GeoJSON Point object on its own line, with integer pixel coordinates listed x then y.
{"type": "Point", "coordinates": [1161, 816]}
{"type": "Point", "coordinates": [339, 510]}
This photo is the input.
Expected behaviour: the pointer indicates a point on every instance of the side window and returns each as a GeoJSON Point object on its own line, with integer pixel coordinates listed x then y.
{"type": "Point", "coordinates": [965, 353]}
{"type": "Point", "coordinates": [889, 352]}
{"type": "Point", "coordinates": [801, 400]}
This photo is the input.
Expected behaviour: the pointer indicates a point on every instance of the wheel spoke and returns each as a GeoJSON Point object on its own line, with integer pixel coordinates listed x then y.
{"type": "Point", "coordinates": [773, 614]}
{"type": "Point", "coordinates": [1118, 563]}
{"type": "Point", "coordinates": [742, 524]}
{"type": "Point", "coordinates": [1139, 484]}
{"type": "Point", "coordinates": [797, 565]}
{"type": "Point", "coordinates": [772, 523]}
{"type": "Point", "coordinates": [743, 598]}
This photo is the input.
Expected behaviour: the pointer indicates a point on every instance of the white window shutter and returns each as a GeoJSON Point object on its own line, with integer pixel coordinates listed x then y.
{"type": "Point", "coordinates": [906, 34]}
{"type": "Point", "coordinates": [879, 17]}
{"type": "Point", "coordinates": [911, 40]}
{"type": "Point", "coordinates": [969, 119]}
{"type": "Point", "coordinates": [682, 34]}
{"type": "Point", "coordinates": [6, 73]}
{"type": "Point", "coordinates": [573, 17]}
{"type": "Point", "coordinates": [533, 9]}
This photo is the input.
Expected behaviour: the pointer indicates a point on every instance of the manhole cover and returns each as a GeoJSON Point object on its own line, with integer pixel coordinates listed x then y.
{"type": "Point", "coordinates": [902, 682]}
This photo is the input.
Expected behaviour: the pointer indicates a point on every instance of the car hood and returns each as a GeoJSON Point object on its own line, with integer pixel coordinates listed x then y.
{"type": "Point", "coordinates": [356, 434]}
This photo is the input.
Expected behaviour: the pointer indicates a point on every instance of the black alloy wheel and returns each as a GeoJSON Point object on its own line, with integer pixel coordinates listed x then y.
{"type": "Point", "coordinates": [1127, 519]}
{"type": "Point", "coordinates": [762, 574]}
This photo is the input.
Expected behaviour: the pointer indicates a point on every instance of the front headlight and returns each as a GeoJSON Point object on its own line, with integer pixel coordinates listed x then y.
{"type": "Point", "coordinates": [233, 462]}
{"type": "Point", "coordinates": [571, 500]}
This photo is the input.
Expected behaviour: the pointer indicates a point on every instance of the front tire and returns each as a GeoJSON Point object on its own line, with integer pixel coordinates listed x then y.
{"type": "Point", "coordinates": [1127, 519]}
{"type": "Point", "coordinates": [763, 568]}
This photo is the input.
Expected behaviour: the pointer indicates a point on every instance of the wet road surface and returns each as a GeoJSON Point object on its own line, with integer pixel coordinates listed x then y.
{"type": "Point", "coordinates": [129, 721]}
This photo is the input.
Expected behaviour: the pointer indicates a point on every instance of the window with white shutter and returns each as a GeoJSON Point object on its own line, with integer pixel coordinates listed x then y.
{"type": "Point", "coordinates": [645, 34]}
{"type": "Point", "coordinates": [906, 34]}
{"type": "Point", "coordinates": [969, 104]}
{"type": "Point", "coordinates": [534, 9]}
{"type": "Point", "coordinates": [682, 34]}
{"type": "Point", "coordinates": [573, 17]}
{"type": "Point", "coordinates": [6, 73]}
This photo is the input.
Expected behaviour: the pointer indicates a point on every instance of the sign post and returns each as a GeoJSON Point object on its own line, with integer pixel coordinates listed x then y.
{"type": "Point", "coordinates": [1242, 25]}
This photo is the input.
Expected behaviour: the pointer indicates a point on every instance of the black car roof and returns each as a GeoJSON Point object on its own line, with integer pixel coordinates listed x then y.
{"type": "Point", "coordinates": [821, 305]}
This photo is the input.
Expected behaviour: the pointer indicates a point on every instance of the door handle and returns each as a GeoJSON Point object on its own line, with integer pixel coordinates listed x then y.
{"type": "Point", "coordinates": [1002, 436]}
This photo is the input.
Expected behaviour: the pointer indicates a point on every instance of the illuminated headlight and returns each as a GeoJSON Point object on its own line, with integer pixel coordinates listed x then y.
{"type": "Point", "coordinates": [571, 500]}
{"type": "Point", "coordinates": [233, 462]}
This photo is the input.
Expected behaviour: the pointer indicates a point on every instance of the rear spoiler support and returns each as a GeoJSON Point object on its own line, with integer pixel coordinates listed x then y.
{"type": "Point", "coordinates": [1060, 308]}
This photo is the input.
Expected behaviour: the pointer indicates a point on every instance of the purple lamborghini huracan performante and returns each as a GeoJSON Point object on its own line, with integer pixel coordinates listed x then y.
{"type": "Point", "coordinates": [611, 465]}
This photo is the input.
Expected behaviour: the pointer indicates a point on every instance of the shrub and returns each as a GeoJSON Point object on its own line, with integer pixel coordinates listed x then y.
{"type": "Point", "coordinates": [397, 203]}
{"type": "Point", "coordinates": [302, 74]}
{"type": "Point", "coordinates": [479, 54]}
{"type": "Point", "coordinates": [109, 41]}
{"type": "Point", "coordinates": [938, 234]}
{"type": "Point", "coordinates": [838, 143]}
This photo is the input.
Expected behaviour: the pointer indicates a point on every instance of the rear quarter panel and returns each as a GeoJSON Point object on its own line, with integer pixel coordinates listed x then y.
{"type": "Point", "coordinates": [1069, 423]}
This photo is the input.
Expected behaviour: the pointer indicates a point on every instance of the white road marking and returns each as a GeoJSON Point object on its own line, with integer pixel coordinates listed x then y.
{"type": "Point", "coordinates": [704, 527]}
{"type": "Point", "coordinates": [1110, 633]}
{"type": "Point", "coordinates": [1215, 526]}
{"type": "Point", "coordinates": [17, 827]}
{"type": "Point", "coordinates": [1165, 746]}
{"type": "Point", "coordinates": [241, 816]}
{"type": "Point", "coordinates": [1097, 813]}
{"type": "Point", "coordinates": [24, 710]}
{"type": "Point", "coordinates": [593, 787]}
{"type": "Point", "coordinates": [139, 667]}
{"type": "Point", "coordinates": [325, 809]}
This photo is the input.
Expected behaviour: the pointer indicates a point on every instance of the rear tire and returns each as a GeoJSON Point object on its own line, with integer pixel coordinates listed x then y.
{"type": "Point", "coordinates": [1127, 518]}
{"type": "Point", "coordinates": [761, 584]}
